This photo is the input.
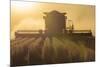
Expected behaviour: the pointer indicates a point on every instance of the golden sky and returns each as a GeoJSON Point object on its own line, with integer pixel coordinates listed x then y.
{"type": "Point", "coordinates": [29, 15]}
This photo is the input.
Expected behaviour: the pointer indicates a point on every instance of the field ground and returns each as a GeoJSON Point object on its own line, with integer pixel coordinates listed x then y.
{"type": "Point", "coordinates": [52, 50]}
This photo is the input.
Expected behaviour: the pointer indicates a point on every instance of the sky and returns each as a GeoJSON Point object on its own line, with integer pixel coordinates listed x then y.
{"type": "Point", "coordinates": [29, 15]}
